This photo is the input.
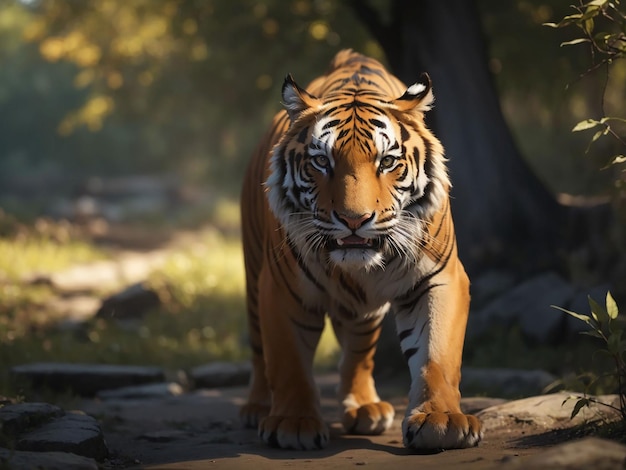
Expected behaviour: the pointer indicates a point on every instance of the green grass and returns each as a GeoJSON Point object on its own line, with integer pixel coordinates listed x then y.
{"type": "Point", "coordinates": [201, 319]}
{"type": "Point", "coordinates": [35, 252]}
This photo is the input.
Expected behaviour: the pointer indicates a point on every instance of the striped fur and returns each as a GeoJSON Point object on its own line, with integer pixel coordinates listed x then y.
{"type": "Point", "coordinates": [345, 212]}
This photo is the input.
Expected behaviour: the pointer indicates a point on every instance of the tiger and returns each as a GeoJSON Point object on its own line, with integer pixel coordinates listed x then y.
{"type": "Point", "coordinates": [345, 213]}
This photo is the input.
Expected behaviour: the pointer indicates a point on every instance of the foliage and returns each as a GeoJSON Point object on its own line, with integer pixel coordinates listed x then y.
{"type": "Point", "coordinates": [176, 85]}
{"type": "Point", "coordinates": [604, 323]}
{"type": "Point", "coordinates": [603, 27]}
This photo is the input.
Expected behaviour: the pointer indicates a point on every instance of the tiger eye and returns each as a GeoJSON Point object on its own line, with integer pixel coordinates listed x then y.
{"type": "Point", "coordinates": [321, 161]}
{"type": "Point", "coordinates": [386, 162]}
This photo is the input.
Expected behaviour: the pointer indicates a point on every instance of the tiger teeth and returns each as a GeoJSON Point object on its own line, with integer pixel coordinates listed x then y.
{"type": "Point", "coordinates": [339, 242]}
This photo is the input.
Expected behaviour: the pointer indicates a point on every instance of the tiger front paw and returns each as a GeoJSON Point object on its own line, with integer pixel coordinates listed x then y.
{"type": "Point", "coordinates": [441, 430]}
{"type": "Point", "coordinates": [371, 418]}
{"type": "Point", "coordinates": [288, 432]}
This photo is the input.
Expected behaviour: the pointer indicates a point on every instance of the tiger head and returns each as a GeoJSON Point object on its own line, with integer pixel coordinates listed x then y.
{"type": "Point", "coordinates": [358, 175]}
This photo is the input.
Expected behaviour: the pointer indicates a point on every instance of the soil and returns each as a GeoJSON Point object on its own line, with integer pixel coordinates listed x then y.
{"type": "Point", "coordinates": [200, 430]}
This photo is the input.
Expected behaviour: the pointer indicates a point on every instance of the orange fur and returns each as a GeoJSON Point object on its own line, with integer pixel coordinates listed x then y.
{"type": "Point", "coordinates": [345, 212]}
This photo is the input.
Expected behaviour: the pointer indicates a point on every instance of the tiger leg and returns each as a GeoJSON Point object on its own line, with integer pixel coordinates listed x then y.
{"type": "Point", "coordinates": [363, 411]}
{"type": "Point", "coordinates": [259, 398]}
{"type": "Point", "coordinates": [432, 332]}
{"type": "Point", "coordinates": [290, 335]}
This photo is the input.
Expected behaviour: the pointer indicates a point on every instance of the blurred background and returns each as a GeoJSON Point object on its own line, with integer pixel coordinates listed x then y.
{"type": "Point", "coordinates": [125, 128]}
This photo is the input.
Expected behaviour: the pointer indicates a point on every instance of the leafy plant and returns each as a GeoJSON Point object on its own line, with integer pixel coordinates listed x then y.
{"type": "Point", "coordinates": [604, 324]}
{"type": "Point", "coordinates": [603, 27]}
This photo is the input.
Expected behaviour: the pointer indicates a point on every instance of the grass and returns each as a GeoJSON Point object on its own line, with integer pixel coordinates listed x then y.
{"type": "Point", "coordinates": [201, 319]}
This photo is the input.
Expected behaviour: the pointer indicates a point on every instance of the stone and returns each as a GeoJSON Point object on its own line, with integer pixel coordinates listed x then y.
{"type": "Point", "coordinates": [86, 379]}
{"type": "Point", "coordinates": [489, 285]}
{"type": "Point", "coordinates": [588, 453]}
{"type": "Point", "coordinates": [505, 382]}
{"type": "Point", "coordinates": [17, 418]}
{"type": "Point", "coordinates": [18, 460]}
{"type": "Point", "coordinates": [221, 374]}
{"type": "Point", "coordinates": [75, 433]}
{"type": "Point", "coordinates": [167, 435]}
{"type": "Point", "coordinates": [529, 305]}
{"type": "Point", "coordinates": [133, 302]}
{"type": "Point", "coordinates": [156, 390]}
{"type": "Point", "coordinates": [547, 411]}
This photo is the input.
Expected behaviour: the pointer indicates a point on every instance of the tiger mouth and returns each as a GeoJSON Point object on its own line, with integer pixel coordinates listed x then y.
{"type": "Point", "coordinates": [355, 242]}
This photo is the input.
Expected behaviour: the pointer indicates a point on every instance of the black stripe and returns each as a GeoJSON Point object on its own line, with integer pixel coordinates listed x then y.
{"type": "Point", "coordinates": [354, 290]}
{"type": "Point", "coordinates": [303, 267]}
{"type": "Point", "coordinates": [405, 334]}
{"type": "Point", "coordinates": [409, 353]}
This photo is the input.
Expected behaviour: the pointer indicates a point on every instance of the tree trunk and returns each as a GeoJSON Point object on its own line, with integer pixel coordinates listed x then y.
{"type": "Point", "coordinates": [502, 211]}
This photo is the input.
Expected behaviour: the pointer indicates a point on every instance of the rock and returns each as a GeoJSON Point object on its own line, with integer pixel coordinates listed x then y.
{"type": "Point", "coordinates": [505, 382]}
{"type": "Point", "coordinates": [17, 460]}
{"type": "Point", "coordinates": [167, 435]}
{"type": "Point", "coordinates": [529, 305]}
{"type": "Point", "coordinates": [489, 285]}
{"type": "Point", "coordinates": [221, 374]}
{"type": "Point", "coordinates": [589, 453]}
{"type": "Point", "coordinates": [17, 418]}
{"type": "Point", "coordinates": [133, 302]}
{"type": "Point", "coordinates": [86, 379]}
{"type": "Point", "coordinates": [164, 389]}
{"type": "Point", "coordinates": [546, 411]}
{"type": "Point", "coordinates": [75, 433]}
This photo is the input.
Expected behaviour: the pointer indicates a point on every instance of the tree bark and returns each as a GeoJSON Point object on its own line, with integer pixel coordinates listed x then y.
{"type": "Point", "coordinates": [502, 211]}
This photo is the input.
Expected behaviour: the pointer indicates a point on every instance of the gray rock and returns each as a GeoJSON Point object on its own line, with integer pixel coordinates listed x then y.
{"type": "Point", "coordinates": [74, 433]}
{"type": "Point", "coordinates": [490, 285]}
{"type": "Point", "coordinates": [221, 374]}
{"type": "Point", "coordinates": [164, 389]}
{"type": "Point", "coordinates": [589, 453]}
{"type": "Point", "coordinates": [17, 418]}
{"type": "Point", "coordinates": [86, 379]}
{"type": "Point", "coordinates": [546, 411]}
{"type": "Point", "coordinates": [505, 382]}
{"type": "Point", "coordinates": [17, 460]}
{"type": "Point", "coordinates": [167, 435]}
{"type": "Point", "coordinates": [133, 302]}
{"type": "Point", "coordinates": [528, 305]}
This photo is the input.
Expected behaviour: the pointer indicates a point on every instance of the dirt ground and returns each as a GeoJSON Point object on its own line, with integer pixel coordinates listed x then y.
{"type": "Point", "coordinates": [201, 430]}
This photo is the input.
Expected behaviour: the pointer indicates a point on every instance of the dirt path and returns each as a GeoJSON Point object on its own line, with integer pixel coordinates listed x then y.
{"type": "Point", "coordinates": [200, 430]}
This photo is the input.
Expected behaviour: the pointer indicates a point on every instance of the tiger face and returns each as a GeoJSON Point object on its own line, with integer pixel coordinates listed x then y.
{"type": "Point", "coordinates": [357, 173]}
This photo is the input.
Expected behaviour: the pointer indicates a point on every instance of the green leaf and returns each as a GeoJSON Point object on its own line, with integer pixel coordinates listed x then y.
{"type": "Point", "coordinates": [579, 316]}
{"type": "Point", "coordinates": [588, 23]}
{"type": "Point", "coordinates": [598, 312]}
{"type": "Point", "coordinates": [598, 134]}
{"type": "Point", "coordinates": [586, 124]}
{"type": "Point", "coordinates": [566, 21]}
{"type": "Point", "coordinates": [611, 306]}
{"type": "Point", "coordinates": [597, 3]}
{"type": "Point", "coordinates": [613, 344]}
{"type": "Point", "coordinates": [579, 406]}
{"type": "Point", "coordinates": [574, 41]}
{"type": "Point", "coordinates": [592, 333]}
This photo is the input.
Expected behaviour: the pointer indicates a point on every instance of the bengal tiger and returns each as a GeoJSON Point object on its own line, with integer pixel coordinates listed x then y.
{"type": "Point", "coordinates": [345, 212]}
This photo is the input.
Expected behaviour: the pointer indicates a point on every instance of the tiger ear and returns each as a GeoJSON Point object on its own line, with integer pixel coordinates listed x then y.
{"type": "Point", "coordinates": [418, 96]}
{"type": "Point", "coordinates": [296, 99]}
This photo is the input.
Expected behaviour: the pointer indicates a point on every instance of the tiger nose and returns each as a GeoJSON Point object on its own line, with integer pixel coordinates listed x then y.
{"type": "Point", "coordinates": [354, 221]}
